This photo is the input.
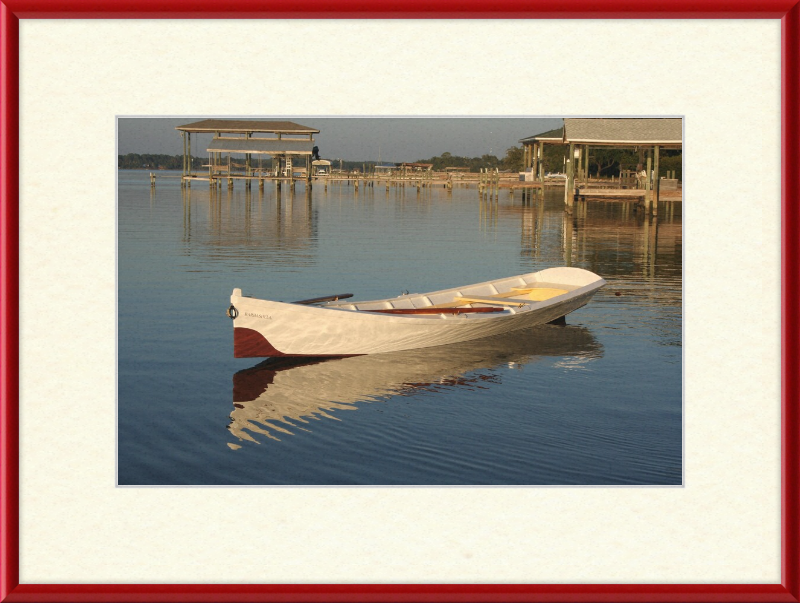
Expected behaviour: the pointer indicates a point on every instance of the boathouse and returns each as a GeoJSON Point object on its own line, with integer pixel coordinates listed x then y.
{"type": "Point", "coordinates": [415, 166]}
{"type": "Point", "coordinates": [321, 167]}
{"type": "Point", "coordinates": [648, 136]}
{"type": "Point", "coordinates": [289, 147]}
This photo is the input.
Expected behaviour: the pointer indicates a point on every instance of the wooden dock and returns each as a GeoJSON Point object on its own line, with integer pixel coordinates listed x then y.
{"type": "Point", "coordinates": [487, 183]}
{"type": "Point", "coordinates": [624, 194]}
{"type": "Point", "coordinates": [615, 193]}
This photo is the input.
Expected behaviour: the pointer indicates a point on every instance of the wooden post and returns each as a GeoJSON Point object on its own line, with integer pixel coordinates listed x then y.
{"type": "Point", "coordinates": [568, 232]}
{"type": "Point", "coordinates": [247, 170]}
{"type": "Point", "coordinates": [183, 136]}
{"type": "Point", "coordinates": [647, 197]}
{"type": "Point", "coordinates": [586, 163]}
{"type": "Point", "coordinates": [656, 179]}
{"type": "Point", "coordinates": [247, 164]}
{"type": "Point", "coordinates": [569, 191]}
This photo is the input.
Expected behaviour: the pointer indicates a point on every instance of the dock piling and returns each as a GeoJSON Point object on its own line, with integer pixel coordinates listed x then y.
{"type": "Point", "coordinates": [648, 199]}
{"type": "Point", "coordinates": [656, 179]}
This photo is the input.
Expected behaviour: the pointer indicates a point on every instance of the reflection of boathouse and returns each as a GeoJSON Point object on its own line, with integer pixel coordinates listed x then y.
{"type": "Point", "coordinates": [596, 236]}
{"type": "Point", "coordinates": [276, 226]}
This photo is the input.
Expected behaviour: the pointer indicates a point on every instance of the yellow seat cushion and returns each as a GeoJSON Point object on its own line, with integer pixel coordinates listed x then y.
{"type": "Point", "coordinates": [517, 295]}
{"type": "Point", "coordinates": [538, 294]}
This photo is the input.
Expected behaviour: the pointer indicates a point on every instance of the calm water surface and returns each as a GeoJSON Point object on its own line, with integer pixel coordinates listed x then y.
{"type": "Point", "coordinates": [597, 402]}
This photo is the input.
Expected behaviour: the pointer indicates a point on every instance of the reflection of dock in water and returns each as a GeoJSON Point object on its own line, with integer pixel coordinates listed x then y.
{"type": "Point", "coordinates": [618, 235]}
{"type": "Point", "coordinates": [280, 395]}
{"type": "Point", "coordinates": [279, 226]}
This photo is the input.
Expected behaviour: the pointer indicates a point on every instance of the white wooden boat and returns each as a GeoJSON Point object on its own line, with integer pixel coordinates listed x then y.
{"type": "Point", "coordinates": [420, 320]}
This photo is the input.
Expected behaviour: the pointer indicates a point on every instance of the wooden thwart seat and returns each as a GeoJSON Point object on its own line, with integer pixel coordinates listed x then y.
{"type": "Point", "coordinates": [501, 301]}
{"type": "Point", "coordinates": [515, 297]}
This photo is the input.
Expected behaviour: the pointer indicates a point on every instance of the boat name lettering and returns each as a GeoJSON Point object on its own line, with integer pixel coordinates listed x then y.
{"type": "Point", "coordinates": [255, 315]}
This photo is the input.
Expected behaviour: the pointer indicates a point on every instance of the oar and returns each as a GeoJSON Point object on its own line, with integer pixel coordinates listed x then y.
{"type": "Point", "coordinates": [327, 298]}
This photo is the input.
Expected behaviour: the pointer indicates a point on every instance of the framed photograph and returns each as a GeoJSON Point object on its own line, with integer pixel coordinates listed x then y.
{"type": "Point", "coordinates": [570, 385]}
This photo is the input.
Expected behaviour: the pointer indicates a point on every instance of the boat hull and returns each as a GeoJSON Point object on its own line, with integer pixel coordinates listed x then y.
{"type": "Point", "coordinates": [265, 328]}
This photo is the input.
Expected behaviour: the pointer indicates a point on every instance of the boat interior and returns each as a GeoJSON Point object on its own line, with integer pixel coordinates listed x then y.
{"type": "Point", "coordinates": [496, 296]}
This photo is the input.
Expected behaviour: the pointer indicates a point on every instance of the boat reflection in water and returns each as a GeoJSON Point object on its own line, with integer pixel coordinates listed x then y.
{"type": "Point", "coordinates": [281, 395]}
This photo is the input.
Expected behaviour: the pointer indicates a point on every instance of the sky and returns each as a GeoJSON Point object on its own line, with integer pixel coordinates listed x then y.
{"type": "Point", "coordinates": [390, 139]}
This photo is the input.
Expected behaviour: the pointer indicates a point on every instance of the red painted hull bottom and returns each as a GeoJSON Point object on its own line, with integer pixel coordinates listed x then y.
{"type": "Point", "coordinates": [248, 343]}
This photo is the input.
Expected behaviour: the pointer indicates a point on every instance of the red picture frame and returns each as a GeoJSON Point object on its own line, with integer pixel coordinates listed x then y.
{"type": "Point", "coordinates": [10, 588]}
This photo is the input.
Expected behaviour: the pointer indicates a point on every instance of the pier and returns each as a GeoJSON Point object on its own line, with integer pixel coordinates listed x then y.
{"type": "Point", "coordinates": [283, 153]}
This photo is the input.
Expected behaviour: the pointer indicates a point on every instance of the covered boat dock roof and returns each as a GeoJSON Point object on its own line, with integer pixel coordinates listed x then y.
{"type": "Point", "coordinates": [556, 135]}
{"type": "Point", "coordinates": [624, 131]}
{"type": "Point", "coordinates": [246, 126]}
{"type": "Point", "coordinates": [666, 132]}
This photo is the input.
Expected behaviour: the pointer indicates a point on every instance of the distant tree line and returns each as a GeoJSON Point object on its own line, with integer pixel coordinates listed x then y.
{"type": "Point", "coordinates": [512, 161]}
{"type": "Point", "coordinates": [150, 161]}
